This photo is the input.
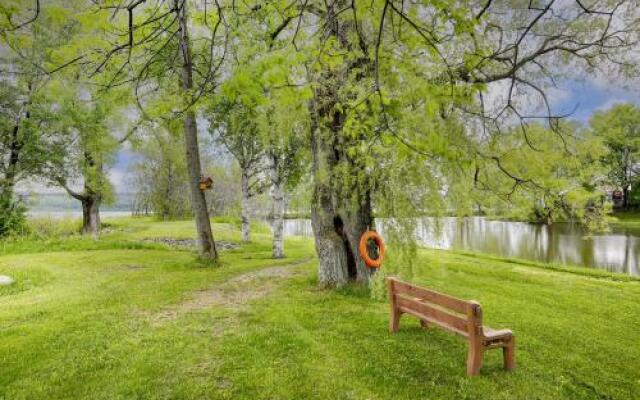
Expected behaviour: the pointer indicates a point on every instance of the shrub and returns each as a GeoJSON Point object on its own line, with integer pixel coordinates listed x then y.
{"type": "Point", "coordinates": [12, 217]}
{"type": "Point", "coordinates": [46, 227]}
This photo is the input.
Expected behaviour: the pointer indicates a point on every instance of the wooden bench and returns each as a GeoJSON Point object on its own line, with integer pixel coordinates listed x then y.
{"type": "Point", "coordinates": [454, 315]}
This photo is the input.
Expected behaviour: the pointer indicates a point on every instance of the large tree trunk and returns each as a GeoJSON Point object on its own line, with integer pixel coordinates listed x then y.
{"type": "Point", "coordinates": [341, 209]}
{"type": "Point", "coordinates": [198, 201]}
{"type": "Point", "coordinates": [277, 225]}
{"type": "Point", "coordinates": [91, 214]}
{"type": "Point", "coordinates": [338, 221]}
{"type": "Point", "coordinates": [244, 206]}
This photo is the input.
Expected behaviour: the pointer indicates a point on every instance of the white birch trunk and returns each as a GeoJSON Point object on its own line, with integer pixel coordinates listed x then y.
{"type": "Point", "coordinates": [244, 205]}
{"type": "Point", "coordinates": [277, 224]}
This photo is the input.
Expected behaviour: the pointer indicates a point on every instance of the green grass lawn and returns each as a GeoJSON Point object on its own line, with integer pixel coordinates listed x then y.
{"type": "Point", "coordinates": [126, 318]}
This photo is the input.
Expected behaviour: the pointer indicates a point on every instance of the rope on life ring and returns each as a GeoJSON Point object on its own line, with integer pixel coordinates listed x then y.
{"type": "Point", "coordinates": [364, 241]}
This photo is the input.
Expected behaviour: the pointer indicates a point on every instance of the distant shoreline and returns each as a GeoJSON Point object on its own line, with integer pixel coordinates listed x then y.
{"type": "Point", "coordinates": [74, 214]}
{"type": "Point", "coordinates": [61, 204]}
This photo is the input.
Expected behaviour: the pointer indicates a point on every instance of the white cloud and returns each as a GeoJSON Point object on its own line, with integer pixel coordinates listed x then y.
{"type": "Point", "coordinates": [610, 103]}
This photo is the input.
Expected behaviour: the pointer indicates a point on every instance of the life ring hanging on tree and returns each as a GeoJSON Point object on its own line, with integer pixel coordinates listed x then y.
{"type": "Point", "coordinates": [364, 253]}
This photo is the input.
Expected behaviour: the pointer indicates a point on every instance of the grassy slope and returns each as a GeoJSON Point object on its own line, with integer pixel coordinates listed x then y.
{"type": "Point", "coordinates": [83, 324]}
{"type": "Point", "coordinates": [625, 219]}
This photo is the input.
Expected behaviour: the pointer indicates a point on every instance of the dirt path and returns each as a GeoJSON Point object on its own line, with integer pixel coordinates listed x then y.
{"type": "Point", "coordinates": [235, 292]}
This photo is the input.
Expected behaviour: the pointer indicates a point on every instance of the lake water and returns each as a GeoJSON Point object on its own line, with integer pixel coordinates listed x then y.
{"type": "Point", "coordinates": [61, 205]}
{"type": "Point", "coordinates": [616, 251]}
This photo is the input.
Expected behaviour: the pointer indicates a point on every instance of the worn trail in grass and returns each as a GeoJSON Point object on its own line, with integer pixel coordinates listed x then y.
{"type": "Point", "coordinates": [153, 322]}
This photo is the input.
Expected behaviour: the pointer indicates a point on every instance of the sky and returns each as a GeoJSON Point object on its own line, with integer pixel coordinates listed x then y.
{"type": "Point", "coordinates": [591, 96]}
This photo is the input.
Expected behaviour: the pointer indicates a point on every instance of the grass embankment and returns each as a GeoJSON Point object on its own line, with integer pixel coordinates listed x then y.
{"type": "Point", "coordinates": [86, 320]}
{"type": "Point", "coordinates": [625, 219]}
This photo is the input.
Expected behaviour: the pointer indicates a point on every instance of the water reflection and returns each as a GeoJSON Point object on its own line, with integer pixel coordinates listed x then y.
{"type": "Point", "coordinates": [616, 251]}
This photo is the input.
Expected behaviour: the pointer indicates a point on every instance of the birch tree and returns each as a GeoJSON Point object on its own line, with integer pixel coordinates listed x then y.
{"type": "Point", "coordinates": [285, 131]}
{"type": "Point", "coordinates": [235, 125]}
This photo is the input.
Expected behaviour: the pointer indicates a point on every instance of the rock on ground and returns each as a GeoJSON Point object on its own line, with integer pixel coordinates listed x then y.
{"type": "Point", "coordinates": [5, 280]}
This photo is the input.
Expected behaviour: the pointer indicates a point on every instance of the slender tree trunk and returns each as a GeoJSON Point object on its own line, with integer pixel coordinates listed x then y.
{"type": "Point", "coordinates": [8, 182]}
{"type": "Point", "coordinates": [198, 200]}
{"type": "Point", "coordinates": [277, 225]}
{"type": "Point", "coordinates": [625, 196]}
{"type": "Point", "coordinates": [244, 206]}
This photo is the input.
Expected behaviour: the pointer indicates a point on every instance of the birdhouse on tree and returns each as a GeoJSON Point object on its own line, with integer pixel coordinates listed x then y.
{"type": "Point", "coordinates": [206, 183]}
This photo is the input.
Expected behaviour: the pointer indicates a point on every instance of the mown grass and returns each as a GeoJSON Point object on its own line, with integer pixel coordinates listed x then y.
{"type": "Point", "coordinates": [83, 323]}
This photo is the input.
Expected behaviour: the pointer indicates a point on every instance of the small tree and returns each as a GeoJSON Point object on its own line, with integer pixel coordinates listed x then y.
{"type": "Point", "coordinates": [235, 126]}
{"type": "Point", "coordinates": [619, 128]}
{"type": "Point", "coordinates": [284, 128]}
{"type": "Point", "coordinates": [160, 176]}
{"type": "Point", "coordinates": [86, 123]}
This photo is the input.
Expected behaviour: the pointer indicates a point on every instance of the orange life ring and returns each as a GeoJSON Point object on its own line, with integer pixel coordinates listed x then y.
{"type": "Point", "coordinates": [364, 240]}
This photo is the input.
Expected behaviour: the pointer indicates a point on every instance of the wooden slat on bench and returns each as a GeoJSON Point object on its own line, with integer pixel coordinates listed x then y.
{"type": "Point", "coordinates": [434, 315]}
{"type": "Point", "coordinates": [431, 296]}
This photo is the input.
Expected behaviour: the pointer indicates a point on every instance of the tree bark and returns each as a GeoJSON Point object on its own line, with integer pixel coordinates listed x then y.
{"type": "Point", "coordinates": [91, 214]}
{"type": "Point", "coordinates": [198, 200]}
{"type": "Point", "coordinates": [244, 206]}
{"type": "Point", "coordinates": [91, 201]}
{"type": "Point", "coordinates": [277, 224]}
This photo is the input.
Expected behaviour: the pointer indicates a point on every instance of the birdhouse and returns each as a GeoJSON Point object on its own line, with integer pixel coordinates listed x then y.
{"type": "Point", "coordinates": [206, 183]}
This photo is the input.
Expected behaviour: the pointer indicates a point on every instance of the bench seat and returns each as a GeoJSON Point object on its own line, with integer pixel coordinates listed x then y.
{"type": "Point", "coordinates": [451, 314]}
{"type": "Point", "coordinates": [493, 334]}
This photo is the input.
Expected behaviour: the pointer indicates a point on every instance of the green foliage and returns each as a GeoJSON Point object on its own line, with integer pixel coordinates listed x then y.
{"type": "Point", "coordinates": [619, 129]}
{"type": "Point", "coordinates": [48, 227]}
{"type": "Point", "coordinates": [541, 175]}
{"type": "Point", "coordinates": [160, 177]}
{"type": "Point", "coordinates": [86, 121]}
{"type": "Point", "coordinates": [12, 216]}
{"type": "Point", "coordinates": [224, 198]}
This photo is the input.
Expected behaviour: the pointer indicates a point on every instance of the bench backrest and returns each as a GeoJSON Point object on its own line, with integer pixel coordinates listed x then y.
{"type": "Point", "coordinates": [455, 315]}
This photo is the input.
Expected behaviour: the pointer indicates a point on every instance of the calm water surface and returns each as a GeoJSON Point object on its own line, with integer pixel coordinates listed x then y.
{"type": "Point", "coordinates": [617, 251]}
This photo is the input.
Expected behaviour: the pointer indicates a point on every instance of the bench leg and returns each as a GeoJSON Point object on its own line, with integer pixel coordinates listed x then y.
{"type": "Point", "coordinates": [474, 358]}
{"type": "Point", "coordinates": [424, 323]}
{"type": "Point", "coordinates": [394, 321]}
{"type": "Point", "coordinates": [509, 355]}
